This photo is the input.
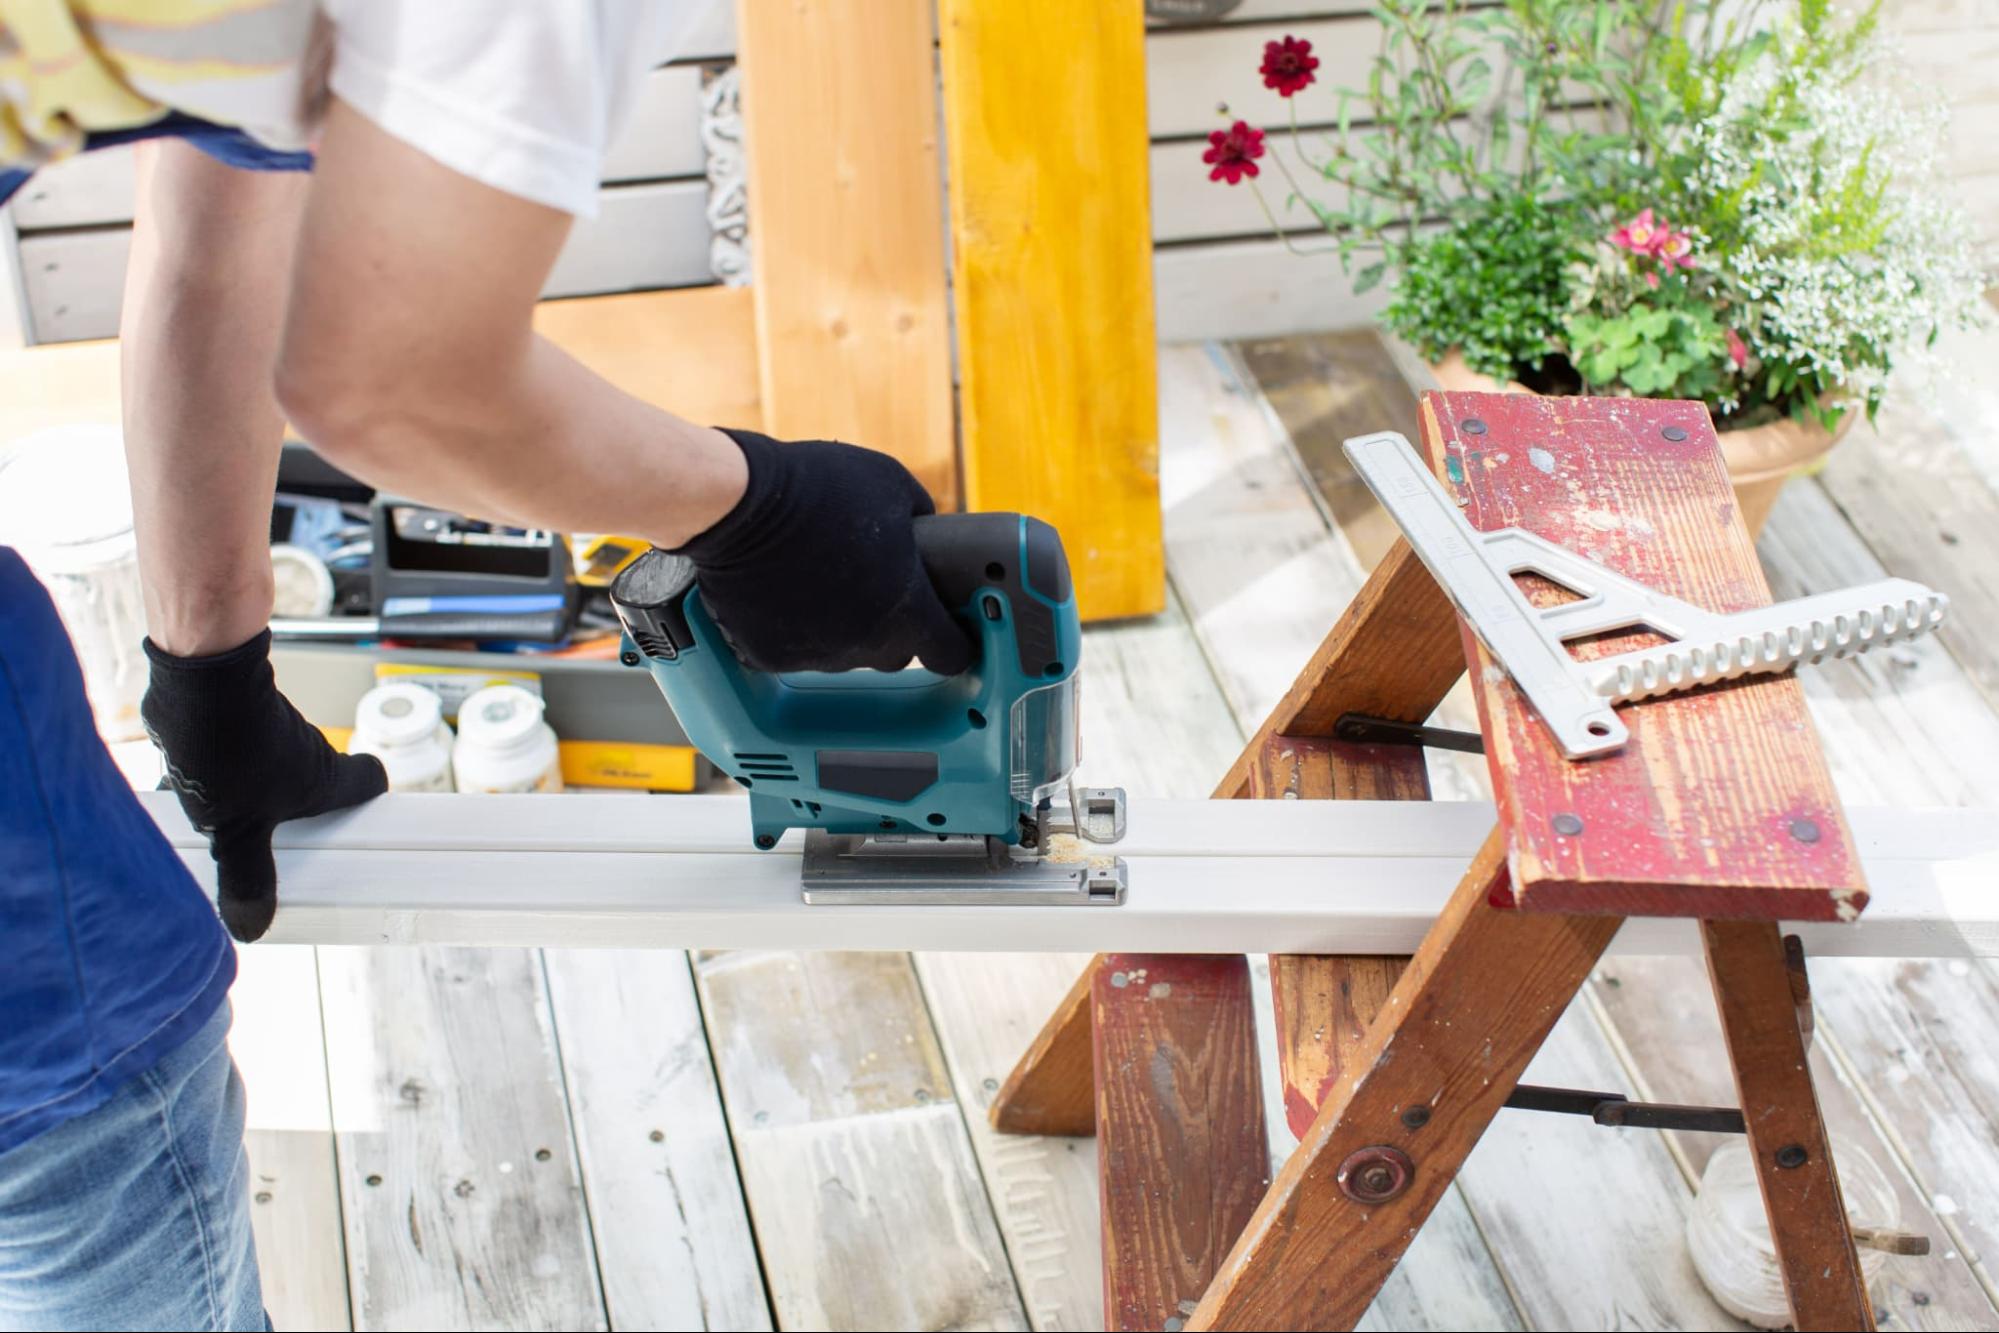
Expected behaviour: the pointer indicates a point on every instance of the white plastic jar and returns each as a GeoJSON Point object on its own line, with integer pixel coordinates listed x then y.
{"type": "Point", "coordinates": [1728, 1232]}
{"type": "Point", "coordinates": [66, 505]}
{"type": "Point", "coordinates": [503, 744]}
{"type": "Point", "coordinates": [403, 726]}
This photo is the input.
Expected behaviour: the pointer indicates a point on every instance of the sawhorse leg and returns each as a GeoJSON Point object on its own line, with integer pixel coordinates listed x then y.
{"type": "Point", "coordinates": [1393, 653]}
{"type": "Point", "coordinates": [1787, 1135]}
{"type": "Point", "coordinates": [1467, 1015]}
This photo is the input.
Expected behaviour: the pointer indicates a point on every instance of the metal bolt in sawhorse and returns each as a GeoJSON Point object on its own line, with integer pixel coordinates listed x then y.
{"type": "Point", "coordinates": [1720, 808]}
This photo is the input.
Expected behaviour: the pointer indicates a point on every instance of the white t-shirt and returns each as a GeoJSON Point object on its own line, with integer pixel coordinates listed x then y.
{"type": "Point", "coordinates": [521, 95]}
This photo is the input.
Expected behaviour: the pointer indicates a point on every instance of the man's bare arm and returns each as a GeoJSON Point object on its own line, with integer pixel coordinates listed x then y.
{"type": "Point", "coordinates": [408, 358]}
{"type": "Point", "coordinates": [204, 306]}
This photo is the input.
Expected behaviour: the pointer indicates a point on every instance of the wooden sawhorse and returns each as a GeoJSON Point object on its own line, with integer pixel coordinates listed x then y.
{"type": "Point", "coordinates": [1720, 808]}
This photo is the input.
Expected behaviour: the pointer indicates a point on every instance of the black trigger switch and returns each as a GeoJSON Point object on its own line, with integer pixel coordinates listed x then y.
{"type": "Point", "coordinates": [991, 606]}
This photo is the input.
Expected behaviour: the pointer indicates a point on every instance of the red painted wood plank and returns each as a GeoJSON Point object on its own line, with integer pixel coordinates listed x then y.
{"type": "Point", "coordinates": [1325, 1003]}
{"type": "Point", "coordinates": [1695, 816]}
{"type": "Point", "coordinates": [1182, 1160]}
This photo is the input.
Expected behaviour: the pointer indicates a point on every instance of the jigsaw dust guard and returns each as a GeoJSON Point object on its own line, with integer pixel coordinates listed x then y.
{"type": "Point", "coordinates": [912, 787]}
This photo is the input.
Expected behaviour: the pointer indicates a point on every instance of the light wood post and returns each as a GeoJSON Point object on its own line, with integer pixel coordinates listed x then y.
{"type": "Point", "coordinates": [847, 229]}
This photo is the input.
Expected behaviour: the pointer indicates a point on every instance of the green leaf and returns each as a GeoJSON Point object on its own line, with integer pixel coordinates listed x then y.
{"type": "Point", "coordinates": [1370, 277]}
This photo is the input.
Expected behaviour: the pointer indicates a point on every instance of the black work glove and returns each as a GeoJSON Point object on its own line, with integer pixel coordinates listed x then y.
{"type": "Point", "coordinates": [816, 568]}
{"type": "Point", "coordinates": [242, 760]}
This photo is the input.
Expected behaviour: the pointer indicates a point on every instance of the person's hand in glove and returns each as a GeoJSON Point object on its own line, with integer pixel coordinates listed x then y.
{"type": "Point", "coordinates": [816, 567]}
{"type": "Point", "coordinates": [242, 760]}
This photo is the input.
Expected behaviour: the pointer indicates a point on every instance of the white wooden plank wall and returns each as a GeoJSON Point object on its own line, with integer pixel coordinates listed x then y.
{"type": "Point", "coordinates": [1218, 273]}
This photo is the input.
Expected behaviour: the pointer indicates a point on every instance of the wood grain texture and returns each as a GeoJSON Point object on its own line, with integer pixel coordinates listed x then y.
{"type": "Point", "coordinates": [1664, 1015]}
{"type": "Point", "coordinates": [1181, 1152]}
{"type": "Point", "coordinates": [1327, 388]}
{"type": "Point", "coordinates": [691, 352]}
{"type": "Point", "coordinates": [458, 1178]}
{"type": "Point", "coordinates": [866, 1199]}
{"type": "Point", "coordinates": [1773, 1079]}
{"type": "Point", "coordinates": [666, 1208]}
{"type": "Point", "coordinates": [1474, 1005]}
{"type": "Point", "coordinates": [986, 1007]}
{"type": "Point", "coordinates": [1913, 490]}
{"type": "Point", "coordinates": [280, 1048]}
{"type": "Point", "coordinates": [1396, 651]}
{"type": "Point", "coordinates": [1906, 726]}
{"type": "Point", "coordinates": [1052, 269]}
{"type": "Point", "coordinates": [1693, 816]}
{"type": "Point", "coordinates": [846, 233]}
{"type": "Point", "coordinates": [1589, 1222]}
{"type": "Point", "coordinates": [1251, 558]}
{"type": "Point", "coordinates": [1261, 575]}
{"type": "Point", "coordinates": [1915, 1036]}
{"type": "Point", "coordinates": [1325, 1004]}
{"type": "Point", "coordinates": [1050, 1090]}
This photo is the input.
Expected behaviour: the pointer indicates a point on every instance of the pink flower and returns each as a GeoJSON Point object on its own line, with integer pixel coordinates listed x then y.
{"type": "Point", "coordinates": [1675, 247]}
{"type": "Point", "coordinates": [1652, 280]}
{"type": "Point", "coordinates": [1232, 152]}
{"type": "Point", "coordinates": [1640, 235]}
{"type": "Point", "coordinates": [1738, 351]}
{"type": "Point", "coordinates": [1288, 65]}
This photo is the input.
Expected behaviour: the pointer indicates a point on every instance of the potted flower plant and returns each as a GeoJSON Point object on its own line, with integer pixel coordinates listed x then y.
{"type": "Point", "coordinates": [1601, 196]}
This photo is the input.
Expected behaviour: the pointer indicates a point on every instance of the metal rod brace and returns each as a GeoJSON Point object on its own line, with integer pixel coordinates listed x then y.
{"type": "Point", "coordinates": [1365, 730]}
{"type": "Point", "coordinates": [1619, 1111]}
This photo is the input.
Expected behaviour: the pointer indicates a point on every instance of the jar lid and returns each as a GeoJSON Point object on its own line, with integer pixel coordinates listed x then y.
{"type": "Point", "coordinates": [65, 499]}
{"type": "Point", "coordinates": [500, 716]}
{"type": "Point", "coordinates": [398, 713]}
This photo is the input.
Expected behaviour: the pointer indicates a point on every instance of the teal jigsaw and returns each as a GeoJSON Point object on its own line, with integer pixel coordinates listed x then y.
{"type": "Point", "coordinates": [903, 759]}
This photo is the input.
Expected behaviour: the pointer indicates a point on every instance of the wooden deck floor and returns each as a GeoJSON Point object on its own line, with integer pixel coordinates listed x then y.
{"type": "Point", "coordinates": [446, 1138]}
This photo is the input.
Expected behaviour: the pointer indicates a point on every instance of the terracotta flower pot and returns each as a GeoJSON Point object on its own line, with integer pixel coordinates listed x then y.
{"type": "Point", "coordinates": [1760, 459]}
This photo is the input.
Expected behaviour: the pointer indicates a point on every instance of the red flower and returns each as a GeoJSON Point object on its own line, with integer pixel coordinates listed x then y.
{"type": "Point", "coordinates": [1288, 65]}
{"type": "Point", "coordinates": [1232, 152]}
{"type": "Point", "coordinates": [1738, 351]}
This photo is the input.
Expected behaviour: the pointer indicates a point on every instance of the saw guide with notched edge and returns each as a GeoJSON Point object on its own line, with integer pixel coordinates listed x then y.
{"type": "Point", "coordinates": [912, 787]}
{"type": "Point", "coordinates": [1575, 698]}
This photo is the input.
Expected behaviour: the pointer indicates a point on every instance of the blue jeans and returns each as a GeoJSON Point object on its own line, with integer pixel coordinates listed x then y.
{"type": "Point", "coordinates": [137, 1214]}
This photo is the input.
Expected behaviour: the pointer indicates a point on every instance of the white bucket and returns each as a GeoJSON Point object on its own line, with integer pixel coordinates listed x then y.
{"type": "Point", "coordinates": [503, 745]}
{"type": "Point", "coordinates": [66, 505]}
{"type": "Point", "coordinates": [403, 726]}
{"type": "Point", "coordinates": [1728, 1233]}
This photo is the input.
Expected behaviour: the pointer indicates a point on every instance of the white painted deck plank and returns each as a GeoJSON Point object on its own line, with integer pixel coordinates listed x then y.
{"type": "Point", "coordinates": [1900, 726]}
{"type": "Point", "coordinates": [1914, 494]}
{"type": "Point", "coordinates": [666, 1208]}
{"type": "Point", "coordinates": [1262, 578]}
{"type": "Point", "coordinates": [458, 1177]}
{"type": "Point", "coordinates": [280, 1050]}
{"type": "Point", "coordinates": [1587, 1221]}
{"type": "Point", "coordinates": [867, 1201]}
{"type": "Point", "coordinates": [1664, 1011]}
{"type": "Point", "coordinates": [1916, 1039]}
{"type": "Point", "coordinates": [1260, 575]}
{"type": "Point", "coordinates": [987, 1008]}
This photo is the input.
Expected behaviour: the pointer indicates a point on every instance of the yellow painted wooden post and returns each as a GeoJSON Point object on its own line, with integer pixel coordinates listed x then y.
{"type": "Point", "coordinates": [846, 227]}
{"type": "Point", "coordinates": [1044, 111]}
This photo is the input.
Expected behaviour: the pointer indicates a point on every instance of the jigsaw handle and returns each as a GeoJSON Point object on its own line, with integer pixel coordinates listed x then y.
{"type": "Point", "coordinates": [969, 557]}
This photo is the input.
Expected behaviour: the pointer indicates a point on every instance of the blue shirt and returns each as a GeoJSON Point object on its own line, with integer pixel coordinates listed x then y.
{"type": "Point", "coordinates": [110, 953]}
